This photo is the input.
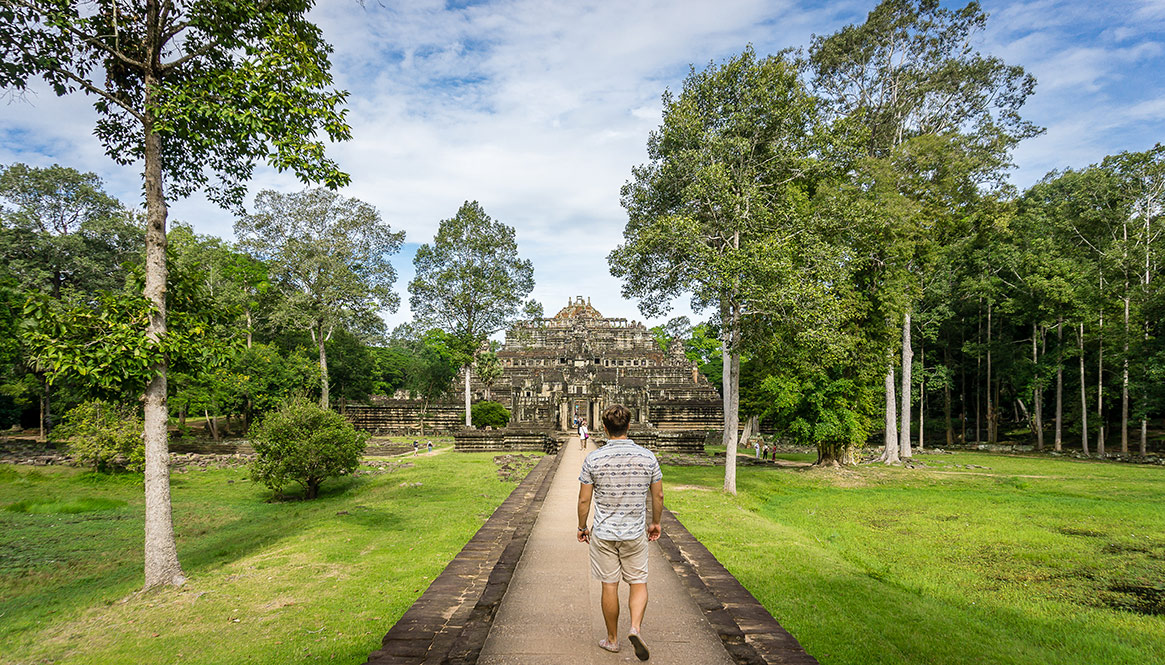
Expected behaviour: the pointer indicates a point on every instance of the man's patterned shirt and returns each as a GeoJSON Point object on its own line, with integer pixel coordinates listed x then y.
{"type": "Point", "coordinates": [622, 473]}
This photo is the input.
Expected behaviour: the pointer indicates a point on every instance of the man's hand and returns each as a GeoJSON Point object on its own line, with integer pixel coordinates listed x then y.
{"type": "Point", "coordinates": [653, 531]}
{"type": "Point", "coordinates": [584, 535]}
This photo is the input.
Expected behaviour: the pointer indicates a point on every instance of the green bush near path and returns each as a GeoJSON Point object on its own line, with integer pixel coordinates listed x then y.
{"type": "Point", "coordinates": [1028, 560]}
{"type": "Point", "coordinates": [270, 581]}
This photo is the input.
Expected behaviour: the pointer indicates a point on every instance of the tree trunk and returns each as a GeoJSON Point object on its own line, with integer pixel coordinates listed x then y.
{"type": "Point", "coordinates": [947, 396]}
{"type": "Point", "coordinates": [904, 451]}
{"type": "Point", "coordinates": [1037, 393]}
{"type": "Point", "coordinates": [1058, 442]}
{"type": "Point", "coordinates": [161, 552]}
{"type": "Point", "coordinates": [746, 435]}
{"type": "Point", "coordinates": [211, 425]}
{"type": "Point", "coordinates": [731, 414]}
{"type": "Point", "coordinates": [890, 454]}
{"type": "Point", "coordinates": [992, 407]}
{"type": "Point", "coordinates": [1100, 386]}
{"type": "Point", "coordinates": [249, 327]}
{"type": "Point", "coordinates": [1083, 392]}
{"type": "Point", "coordinates": [921, 397]}
{"type": "Point", "coordinates": [324, 403]}
{"type": "Point", "coordinates": [468, 409]}
{"type": "Point", "coordinates": [1125, 381]}
{"type": "Point", "coordinates": [41, 419]}
{"type": "Point", "coordinates": [978, 376]}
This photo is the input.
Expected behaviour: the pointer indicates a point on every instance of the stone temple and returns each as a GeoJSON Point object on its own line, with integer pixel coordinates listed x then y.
{"type": "Point", "coordinates": [579, 362]}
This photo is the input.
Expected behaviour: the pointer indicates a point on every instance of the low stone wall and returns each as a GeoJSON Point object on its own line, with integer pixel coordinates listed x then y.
{"type": "Point", "coordinates": [686, 415]}
{"type": "Point", "coordinates": [488, 440]}
{"type": "Point", "coordinates": [666, 441]}
{"type": "Point", "coordinates": [401, 416]}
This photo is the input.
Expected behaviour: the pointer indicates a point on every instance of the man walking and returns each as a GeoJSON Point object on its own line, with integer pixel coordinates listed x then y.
{"type": "Point", "coordinates": [618, 477]}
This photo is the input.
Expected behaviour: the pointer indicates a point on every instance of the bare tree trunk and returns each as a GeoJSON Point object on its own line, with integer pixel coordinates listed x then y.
{"type": "Point", "coordinates": [211, 424]}
{"type": "Point", "coordinates": [1100, 384]}
{"type": "Point", "coordinates": [978, 375]}
{"type": "Point", "coordinates": [41, 420]}
{"type": "Point", "coordinates": [921, 397]}
{"type": "Point", "coordinates": [746, 435]}
{"type": "Point", "coordinates": [904, 415]}
{"type": "Point", "coordinates": [1083, 392]}
{"type": "Point", "coordinates": [324, 404]}
{"type": "Point", "coordinates": [1058, 442]}
{"type": "Point", "coordinates": [1037, 394]}
{"type": "Point", "coordinates": [249, 327]}
{"type": "Point", "coordinates": [890, 454]}
{"type": "Point", "coordinates": [947, 395]}
{"type": "Point", "coordinates": [992, 406]}
{"type": "Point", "coordinates": [731, 409]}
{"type": "Point", "coordinates": [161, 552]}
{"type": "Point", "coordinates": [1125, 381]}
{"type": "Point", "coordinates": [468, 409]}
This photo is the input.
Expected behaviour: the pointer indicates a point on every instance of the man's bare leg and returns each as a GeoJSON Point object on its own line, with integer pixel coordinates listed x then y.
{"type": "Point", "coordinates": [637, 601]}
{"type": "Point", "coordinates": [610, 603]}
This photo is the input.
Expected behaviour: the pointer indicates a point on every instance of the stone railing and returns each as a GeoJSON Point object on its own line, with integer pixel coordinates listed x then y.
{"type": "Point", "coordinates": [508, 439]}
{"type": "Point", "coordinates": [666, 441]}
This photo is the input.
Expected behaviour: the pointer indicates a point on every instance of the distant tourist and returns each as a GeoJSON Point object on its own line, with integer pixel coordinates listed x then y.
{"type": "Point", "coordinates": [618, 477]}
{"type": "Point", "coordinates": [416, 447]}
{"type": "Point", "coordinates": [583, 434]}
{"type": "Point", "coordinates": [430, 446]}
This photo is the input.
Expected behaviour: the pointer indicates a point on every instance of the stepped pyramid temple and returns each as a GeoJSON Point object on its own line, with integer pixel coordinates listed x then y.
{"type": "Point", "coordinates": [578, 363]}
{"type": "Point", "coordinates": [575, 364]}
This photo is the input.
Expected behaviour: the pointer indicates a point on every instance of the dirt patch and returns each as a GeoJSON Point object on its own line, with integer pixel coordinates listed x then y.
{"type": "Point", "coordinates": [1072, 531]}
{"type": "Point", "coordinates": [689, 488]}
{"type": "Point", "coordinates": [514, 467]}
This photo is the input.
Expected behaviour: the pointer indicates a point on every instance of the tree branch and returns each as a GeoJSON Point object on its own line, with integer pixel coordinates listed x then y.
{"type": "Point", "coordinates": [88, 39]}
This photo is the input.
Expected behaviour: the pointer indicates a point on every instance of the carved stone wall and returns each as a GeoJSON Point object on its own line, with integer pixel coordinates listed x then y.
{"type": "Point", "coordinates": [403, 416]}
{"type": "Point", "coordinates": [578, 363]}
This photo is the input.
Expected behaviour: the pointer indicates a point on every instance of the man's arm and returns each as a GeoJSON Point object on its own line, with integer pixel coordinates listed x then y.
{"type": "Point", "coordinates": [585, 492]}
{"type": "Point", "coordinates": [654, 530]}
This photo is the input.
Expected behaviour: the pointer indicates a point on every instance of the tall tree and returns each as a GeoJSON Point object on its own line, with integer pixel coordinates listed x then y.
{"type": "Point", "coordinates": [331, 255]}
{"type": "Point", "coordinates": [723, 187]}
{"type": "Point", "coordinates": [199, 92]}
{"type": "Point", "coordinates": [470, 283]}
{"type": "Point", "coordinates": [909, 72]}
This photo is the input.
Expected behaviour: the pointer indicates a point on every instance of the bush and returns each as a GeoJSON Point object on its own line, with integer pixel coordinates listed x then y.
{"type": "Point", "coordinates": [104, 436]}
{"type": "Point", "coordinates": [306, 444]}
{"type": "Point", "coordinates": [489, 413]}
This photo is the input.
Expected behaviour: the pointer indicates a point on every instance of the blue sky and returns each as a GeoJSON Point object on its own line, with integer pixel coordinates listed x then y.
{"type": "Point", "coordinates": [538, 109]}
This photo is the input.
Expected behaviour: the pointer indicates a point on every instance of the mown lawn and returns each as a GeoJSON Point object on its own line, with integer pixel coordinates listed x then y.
{"type": "Point", "coordinates": [284, 581]}
{"type": "Point", "coordinates": [1027, 560]}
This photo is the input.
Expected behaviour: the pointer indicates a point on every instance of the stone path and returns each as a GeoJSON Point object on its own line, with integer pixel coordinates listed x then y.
{"type": "Point", "coordinates": [520, 593]}
{"type": "Point", "coordinates": [551, 615]}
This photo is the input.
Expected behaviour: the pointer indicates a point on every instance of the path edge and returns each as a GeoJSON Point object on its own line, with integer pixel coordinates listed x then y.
{"type": "Point", "coordinates": [749, 632]}
{"type": "Point", "coordinates": [432, 632]}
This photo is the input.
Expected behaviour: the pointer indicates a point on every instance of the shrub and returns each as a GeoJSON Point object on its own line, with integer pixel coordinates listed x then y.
{"type": "Point", "coordinates": [306, 444]}
{"type": "Point", "coordinates": [489, 413]}
{"type": "Point", "coordinates": [103, 436]}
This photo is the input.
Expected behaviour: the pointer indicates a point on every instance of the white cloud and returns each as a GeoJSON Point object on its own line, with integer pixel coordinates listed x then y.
{"type": "Point", "coordinates": [539, 109]}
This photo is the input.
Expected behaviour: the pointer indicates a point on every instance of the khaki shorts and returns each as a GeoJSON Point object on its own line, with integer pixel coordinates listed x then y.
{"type": "Point", "coordinates": [612, 560]}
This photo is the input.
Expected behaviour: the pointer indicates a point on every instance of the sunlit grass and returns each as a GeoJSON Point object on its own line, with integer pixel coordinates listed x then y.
{"type": "Point", "coordinates": [1023, 561]}
{"type": "Point", "coordinates": [271, 581]}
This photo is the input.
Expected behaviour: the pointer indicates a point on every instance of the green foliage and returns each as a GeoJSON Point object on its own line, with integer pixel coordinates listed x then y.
{"type": "Point", "coordinates": [60, 230]}
{"type": "Point", "coordinates": [491, 414]}
{"type": "Point", "coordinates": [470, 281]}
{"type": "Point", "coordinates": [103, 436]}
{"type": "Point", "coordinates": [488, 368]}
{"type": "Point", "coordinates": [306, 444]}
{"type": "Point", "coordinates": [233, 83]}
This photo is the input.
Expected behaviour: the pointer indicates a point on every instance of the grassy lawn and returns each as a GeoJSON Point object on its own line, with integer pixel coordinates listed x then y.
{"type": "Point", "coordinates": [1025, 560]}
{"type": "Point", "coordinates": [270, 581]}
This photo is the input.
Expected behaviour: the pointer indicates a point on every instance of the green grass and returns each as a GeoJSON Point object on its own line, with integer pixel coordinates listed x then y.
{"type": "Point", "coordinates": [284, 581]}
{"type": "Point", "coordinates": [1029, 560]}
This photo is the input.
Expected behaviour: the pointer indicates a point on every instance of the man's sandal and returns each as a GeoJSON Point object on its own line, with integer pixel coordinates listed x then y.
{"type": "Point", "coordinates": [640, 648]}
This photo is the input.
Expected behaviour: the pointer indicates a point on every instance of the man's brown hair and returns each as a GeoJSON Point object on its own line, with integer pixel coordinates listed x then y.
{"type": "Point", "coordinates": [616, 420]}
